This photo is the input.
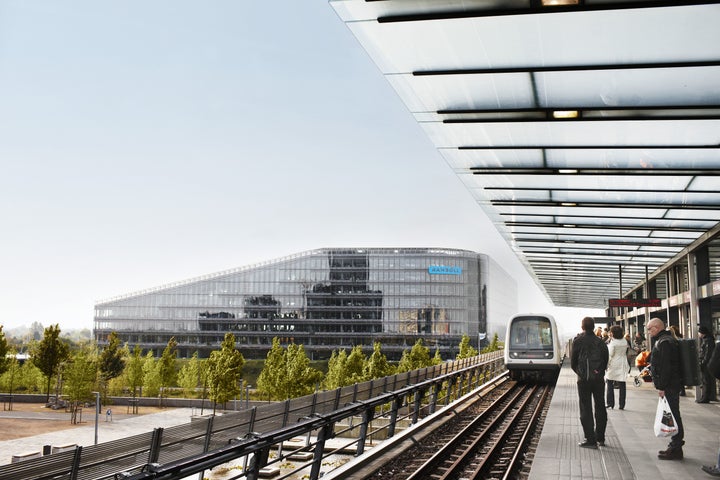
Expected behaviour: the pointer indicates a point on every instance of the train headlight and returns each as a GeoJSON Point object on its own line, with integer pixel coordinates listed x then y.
{"type": "Point", "coordinates": [548, 355]}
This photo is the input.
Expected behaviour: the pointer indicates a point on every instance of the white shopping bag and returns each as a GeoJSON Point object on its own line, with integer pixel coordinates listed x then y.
{"type": "Point", "coordinates": [665, 425]}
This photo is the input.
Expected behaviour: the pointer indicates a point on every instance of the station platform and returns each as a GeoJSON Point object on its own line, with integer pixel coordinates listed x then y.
{"type": "Point", "coordinates": [631, 445]}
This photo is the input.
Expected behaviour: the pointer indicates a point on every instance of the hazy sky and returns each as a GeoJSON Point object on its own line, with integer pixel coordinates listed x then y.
{"type": "Point", "coordinates": [146, 142]}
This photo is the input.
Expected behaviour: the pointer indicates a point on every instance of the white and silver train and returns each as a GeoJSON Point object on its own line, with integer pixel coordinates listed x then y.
{"type": "Point", "coordinates": [532, 347]}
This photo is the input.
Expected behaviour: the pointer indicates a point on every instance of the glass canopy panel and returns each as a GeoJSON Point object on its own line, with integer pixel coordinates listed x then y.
{"type": "Point", "coordinates": [634, 158]}
{"type": "Point", "coordinates": [599, 213]}
{"type": "Point", "coordinates": [568, 133]}
{"type": "Point", "coordinates": [694, 214]}
{"type": "Point", "coordinates": [558, 230]}
{"type": "Point", "coordinates": [523, 40]}
{"type": "Point", "coordinates": [635, 87]}
{"type": "Point", "coordinates": [676, 233]}
{"type": "Point", "coordinates": [451, 92]}
{"type": "Point", "coordinates": [652, 184]}
{"type": "Point", "coordinates": [354, 10]}
{"type": "Point", "coordinates": [492, 158]}
{"type": "Point", "coordinates": [637, 198]}
{"type": "Point", "coordinates": [641, 222]}
{"type": "Point", "coordinates": [708, 184]}
{"type": "Point", "coordinates": [619, 157]}
{"type": "Point", "coordinates": [521, 195]}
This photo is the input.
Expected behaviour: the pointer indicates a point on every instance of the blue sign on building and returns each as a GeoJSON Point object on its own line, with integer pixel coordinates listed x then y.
{"type": "Point", "coordinates": [444, 270]}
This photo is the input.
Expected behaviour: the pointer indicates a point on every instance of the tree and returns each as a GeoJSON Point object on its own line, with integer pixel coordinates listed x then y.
{"type": "Point", "coordinates": [134, 370]}
{"type": "Point", "coordinates": [337, 375]}
{"type": "Point", "coordinates": [80, 377]}
{"type": "Point", "coordinates": [377, 365]}
{"type": "Point", "coordinates": [151, 375]}
{"type": "Point", "coordinates": [167, 366]}
{"type": "Point", "coordinates": [49, 354]}
{"type": "Point", "coordinates": [417, 357]}
{"type": "Point", "coordinates": [189, 376]}
{"type": "Point", "coordinates": [494, 345]}
{"type": "Point", "coordinates": [224, 369]}
{"type": "Point", "coordinates": [111, 362]}
{"type": "Point", "coordinates": [287, 372]}
{"type": "Point", "coordinates": [8, 378]}
{"type": "Point", "coordinates": [466, 350]}
{"type": "Point", "coordinates": [355, 363]}
{"type": "Point", "coordinates": [4, 359]}
{"type": "Point", "coordinates": [303, 377]}
{"type": "Point", "coordinates": [274, 373]}
{"type": "Point", "coordinates": [437, 359]}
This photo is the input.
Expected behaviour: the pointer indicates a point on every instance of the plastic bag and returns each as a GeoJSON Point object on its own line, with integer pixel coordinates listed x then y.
{"type": "Point", "coordinates": [665, 425]}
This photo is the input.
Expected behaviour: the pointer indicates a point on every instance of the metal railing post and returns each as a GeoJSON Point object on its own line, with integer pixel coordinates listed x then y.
{"type": "Point", "coordinates": [325, 432]}
{"type": "Point", "coordinates": [75, 468]}
{"type": "Point", "coordinates": [154, 454]}
{"type": "Point", "coordinates": [257, 462]}
{"type": "Point", "coordinates": [367, 418]}
{"type": "Point", "coordinates": [393, 416]}
{"type": "Point", "coordinates": [416, 405]}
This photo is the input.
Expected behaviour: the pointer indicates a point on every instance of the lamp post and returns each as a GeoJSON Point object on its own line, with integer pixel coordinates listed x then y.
{"type": "Point", "coordinates": [97, 413]}
{"type": "Point", "coordinates": [247, 396]}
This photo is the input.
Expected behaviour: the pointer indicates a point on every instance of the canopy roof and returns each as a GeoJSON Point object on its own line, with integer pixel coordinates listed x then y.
{"type": "Point", "coordinates": [589, 133]}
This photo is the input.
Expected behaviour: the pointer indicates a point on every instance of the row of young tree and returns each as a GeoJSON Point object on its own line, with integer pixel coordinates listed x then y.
{"type": "Point", "coordinates": [287, 371]}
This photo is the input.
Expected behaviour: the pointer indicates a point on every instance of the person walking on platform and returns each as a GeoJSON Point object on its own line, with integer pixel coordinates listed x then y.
{"type": "Point", "coordinates": [618, 367]}
{"type": "Point", "coordinates": [707, 345]}
{"type": "Point", "coordinates": [667, 378]}
{"type": "Point", "coordinates": [589, 360]}
{"type": "Point", "coordinates": [713, 470]}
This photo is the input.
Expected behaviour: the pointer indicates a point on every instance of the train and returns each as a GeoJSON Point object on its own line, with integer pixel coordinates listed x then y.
{"type": "Point", "coordinates": [532, 347]}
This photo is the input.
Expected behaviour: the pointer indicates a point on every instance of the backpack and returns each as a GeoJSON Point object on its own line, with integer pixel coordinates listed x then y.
{"type": "Point", "coordinates": [713, 365]}
{"type": "Point", "coordinates": [590, 362]}
{"type": "Point", "coordinates": [689, 364]}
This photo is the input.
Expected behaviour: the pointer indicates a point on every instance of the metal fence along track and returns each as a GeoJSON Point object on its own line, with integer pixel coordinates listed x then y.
{"type": "Point", "coordinates": [176, 452]}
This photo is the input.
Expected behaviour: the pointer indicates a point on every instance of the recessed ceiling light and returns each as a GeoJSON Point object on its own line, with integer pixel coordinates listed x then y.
{"type": "Point", "coordinates": [565, 114]}
{"type": "Point", "coordinates": [554, 3]}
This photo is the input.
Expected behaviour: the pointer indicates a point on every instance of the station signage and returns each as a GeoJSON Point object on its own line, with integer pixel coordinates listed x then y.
{"type": "Point", "coordinates": [444, 270]}
{"type": "Point", "coordinates": [634, 302]}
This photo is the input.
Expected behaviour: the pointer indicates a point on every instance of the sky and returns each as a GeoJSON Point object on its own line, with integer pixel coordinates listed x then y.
{"type": "Point", "coordinates": [143, 143]}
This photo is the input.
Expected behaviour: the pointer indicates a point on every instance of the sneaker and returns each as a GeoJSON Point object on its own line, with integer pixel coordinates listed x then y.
{"type": "Point", "coordinates": [671, 454]}
{"type": "Point", "coordinates": [711, 470]}
{"type": "Point", "coordinates": [587, 444]}
{"type": "Point", "coordinates": [601, 443]}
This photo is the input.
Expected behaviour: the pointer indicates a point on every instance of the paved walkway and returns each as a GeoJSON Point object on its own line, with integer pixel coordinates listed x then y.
{"type": "Point", "coordinates": [631, 451]}
{"type": "Point", "coordinates": [121, 426]}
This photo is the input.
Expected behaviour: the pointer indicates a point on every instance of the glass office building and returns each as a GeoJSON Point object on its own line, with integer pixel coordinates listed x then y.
{"type": "Point", "coordinates": [326, 299]}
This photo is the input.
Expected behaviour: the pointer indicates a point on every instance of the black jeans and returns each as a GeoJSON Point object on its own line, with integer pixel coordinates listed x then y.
{"type": "Point", "coordinates": [610, 396]}
{"type": "Point", "coordinates": [589, 392]}
{"type": "Point", "coordinates": [707, 388]}
{"type": "Point", "coordinates": [673, 399]}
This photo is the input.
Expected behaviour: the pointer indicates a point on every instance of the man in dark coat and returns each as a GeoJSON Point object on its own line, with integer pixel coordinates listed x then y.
{"type": "Point", "coordinates": [589, 360]}
{"type": "Point", "coordinates": [707, 345]}
{"type": "Point", "coordinates": [667, 378]}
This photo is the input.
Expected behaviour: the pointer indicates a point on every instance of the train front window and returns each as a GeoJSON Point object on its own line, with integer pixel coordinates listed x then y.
{"type": "Point", "coordinates": [531, 333]}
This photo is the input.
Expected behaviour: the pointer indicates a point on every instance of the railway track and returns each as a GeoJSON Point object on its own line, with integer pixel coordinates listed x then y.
{"type": "Point", "coordinates": [487, 439]}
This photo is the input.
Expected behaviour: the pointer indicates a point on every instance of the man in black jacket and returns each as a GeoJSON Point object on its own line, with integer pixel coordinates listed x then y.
{"type": "Point", "coordinates": [667, 378]}
{"type": "Point", "coordinates": [589, 360]}
{"type": "Point", "coordinates": [707, 345]}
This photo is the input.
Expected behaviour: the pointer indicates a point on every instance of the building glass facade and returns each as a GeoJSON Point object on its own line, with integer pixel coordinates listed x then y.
{"type": "Point", "coordinates": [326, 299]}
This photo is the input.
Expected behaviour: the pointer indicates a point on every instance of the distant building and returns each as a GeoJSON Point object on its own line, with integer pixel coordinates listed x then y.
{"type": "Point", "coordinates": [327, 299]}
